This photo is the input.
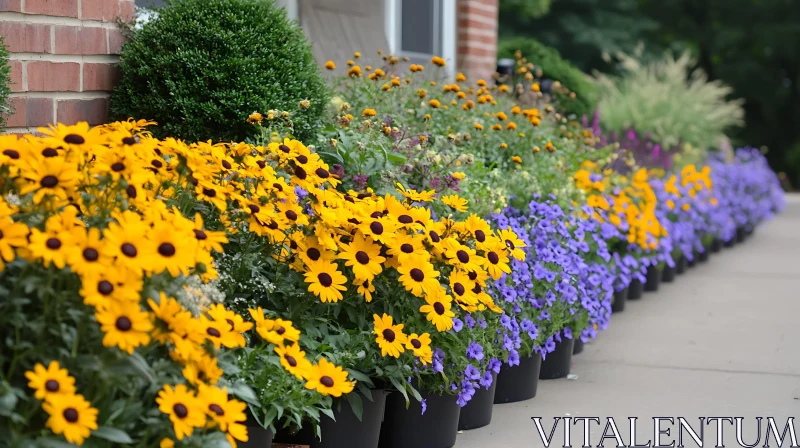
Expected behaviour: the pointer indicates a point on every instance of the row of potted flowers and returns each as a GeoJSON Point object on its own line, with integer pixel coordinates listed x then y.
{"type": "Point", "coordinates": [162, 294]}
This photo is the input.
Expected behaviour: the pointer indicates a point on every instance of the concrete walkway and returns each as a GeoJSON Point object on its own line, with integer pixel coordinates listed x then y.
{"type": "Point", "coordinates": [723, 340]}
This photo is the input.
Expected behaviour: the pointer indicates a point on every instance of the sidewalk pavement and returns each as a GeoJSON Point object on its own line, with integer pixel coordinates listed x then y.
{"type": "Point", "coordinates": [722, 340]}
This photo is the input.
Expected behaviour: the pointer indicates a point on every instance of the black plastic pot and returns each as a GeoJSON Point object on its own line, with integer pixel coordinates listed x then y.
{"type": "Point", "coordinates": [693, 262]}
{"type": "Point", "coordinates": [702, 257]}
{"type": "Point", "coordinates": [578, 348]}
{"type": "Point", "coordinates": [730, 243]}
{"type": "Point", "coordinates": [618, 303]}
{"type": "Point", "coordinates": [558, 363]}
{"type": "Point", "coordinates": [740, 234]}
{"type": "Point", "coordinates": [478, 412]}
{"type": "Point", "coordinates": [653, 279]}
{"type": "Point", "coordinates": [681, 265]}
{"type": "Point", "coordinates": [257, 437]}
{"type": "Point", "coordinates": [748, 230]}
{"type": "Point", "coordinates": [635, 289]}
{"type": "Point", "coordinates": [716, 245]}
{"type": "Point", "coordinates": [518, 383]}
{"type": "Point", "coordinates": [404, 428]}
{"type": "Point", "coordinates": [668, 274]}
{"type": "Point", "coordinates": [347, 431]}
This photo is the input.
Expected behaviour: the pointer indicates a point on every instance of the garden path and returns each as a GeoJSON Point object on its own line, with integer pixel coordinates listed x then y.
{"type": "Point", "coordinates": [722, 340]}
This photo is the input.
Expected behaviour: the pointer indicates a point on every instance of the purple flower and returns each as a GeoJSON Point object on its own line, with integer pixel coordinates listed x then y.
{"type": "Point", "coordinates": [494, 365]}
{"type": "Point", "coordinates": [475, 351]}
{"type": "Point", "coordinates": [472, 373]}
{"type": "Point", "coordinates": [424, 405]}
{"type": "Point", "coordinates": [469, 321]}
{"type": "Point", "coordinates": [513, 358]}
{"type": "Point", "coordinates": [457, 324]}
{"type": "Point", "coordinates": [487, 380]}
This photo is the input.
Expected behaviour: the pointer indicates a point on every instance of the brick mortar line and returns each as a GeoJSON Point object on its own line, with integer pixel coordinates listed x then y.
{"type": "Point", "coordinates": [59, 96]}
{"type": "Point", "coordinates": [41, 19]}
{"type": "Point", "coordinates": [78, 58]}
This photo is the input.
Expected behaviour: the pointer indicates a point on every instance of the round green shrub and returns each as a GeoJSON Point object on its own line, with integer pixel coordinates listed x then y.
{"type": "Point", "coordinates": [202, 66]}
{"type": "Point", "coordinates": [5, 84]}
{"type": "Point", "coordinates": [557, 69]}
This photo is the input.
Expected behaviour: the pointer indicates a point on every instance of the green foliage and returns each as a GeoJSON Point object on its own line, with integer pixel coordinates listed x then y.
{"type": "Point", "coordinates": [555, 68]}
{"type": "Point", "coordinates": [203, 66]}
{"type": "Point", "coordinates": [670, 101]}
{"type": "Point", "coordinates": [5, 80]}
{"type": "Point", "coordinates": [525, 9]}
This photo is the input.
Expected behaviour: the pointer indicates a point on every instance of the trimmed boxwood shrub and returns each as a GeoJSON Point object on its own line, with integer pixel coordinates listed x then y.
{"type": "Point", "coordinates": [5, 83]}
{"type": "Point", "coordinates": [557, 69]}
{"type": "Point", "coordinates": [202, 66]}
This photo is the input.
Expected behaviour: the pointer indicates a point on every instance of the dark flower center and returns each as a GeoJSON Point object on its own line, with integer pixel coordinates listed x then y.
{"type": "Point", "coordinates": [290, 360]}
{"type": "Point", "coordinates": [277, 186]}
{"type": "Point", "coordinates": [415, 343]}
{"type": "Point", "coordinates": [11, 154]}
{"type": "Point", "coordinates": [74, 139]}
{"type": "Point", "coordinates": [405, 219]}
{"type": "Point", "coordinates": [480, 236]}
{"type": "Point", "coordinates": [254, 208]}
{"type": "Point", "coordinates": [180, 410]}
{"type": "Point", "coordinates": [313, 253]}
{"type": "Point", "coordinates": [417, 274]}
{"type": "Point", "coordinates": [291, 215]}
{"type": "Point", "coordinates": [293, 244]}
{"type": "Point", "coordinates": [230, 322]}
{"type": "Point", "coordinates": [129, 250]}
{"type": "Point", "coordinates": [284, 148]}
{"type": "Point", "coordinates": [213, 332]}
{"type": "Point", "coordinates": [354, 221]}
{"type": "Point", "coordinates": [131, 190]}
{"type": "Point", "coordinates": [325, 279]}
{"type": "Point", "coordinates": [117, 167]}
{"type": "Point", "coordinates": [322, 173]}
{"type": "Point", "coordinates": [217, 409]}
{"type": "Point", "coordinates": [362, 257]}
{"type": "Point", "coordinates": [406, 248]}
{"type": "Point", "coordinates": [156, 163]}
{"type": "Point", "coordinates": [458, 288]}
{"type": "Point", "coordinates": [280, 331]}
{"type": "Point", "coordinates": [90, 254]}
{"type": "Point", "coordinates": [226, 164]}
{"type": "Point", "coordinates": [49, 181]}
{"type": "Point", "coordinates": [472, 275]}
{"type": "Point", "coordinates": [71, 415]}
{"type": "Point", "coordinates": [300, 173]}
{"type": "Point", "coordinates": [166, 249]}
{"type": "Point", "coordinates": [200, 234]}
{"type": "Point", "coordinates": [210, 192]}
{"type": "Point", "coordinates": [302, 159]}
{"type": "Point", "coordinates": [129, 141]}
{"type": "Point", "coordinates": [462, 256]}
{"type": "Point", "coordinates": [439, 308]}
{"type": "Point", "coordinates": [123, 323]}
{"type": "Point", "coordinates": [53, 243]}
{"type": "Point", "coordinates": [261, 164]}
{"type": "Point", "coordinates": [388, 334]}
{"type": "Point", "coordinates": [326, 381]}
{"type": "Point", "coordinates": [477, 289]}
{"type": "Point", "coordinates": [365, 284]}
{"type": "Point", "coordinates": [105, 287]}
{"type": "Point", "coordinates": [51, 385]}
{"type": "Point", "coordinates": [375, 215]}
{"type": "Point", "coordinates": [493, 257]}
{"type": "Point", "coordinates": [510, 245]}
{"type": "Point", "coordinates": [273, 225]}
{"type": "Point", "coordinates": [1, 234]}
{"type": "Point", "coordinates": [376, 228]}
{"type": "Point", "coordinates": [49, 152]}
{"type": "Point", "coordinates": [434, 236]}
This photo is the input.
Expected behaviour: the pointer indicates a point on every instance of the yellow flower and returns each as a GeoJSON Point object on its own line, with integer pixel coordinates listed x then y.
{"type": "Point", "coordinates": [184, 409]}
{"type": "Point", "coordinates": [481, 83]}
{"type": "Point", "coordinates": [501, 116]}
{"type": "Point", "coordinates": [478, 126]}
{"type": "Point", "coordinates": [354, 72]}
{"type": "Point", "coordinates": [420, 345]}
{"type": "Point", "coordinates": [328, 379]}
{"type": "Point", "coordinates": [72, 416]}
{"type": "Point", "coordinates": [357, 55]}
{"type": "Point", "coordinates": [369, 112]}
{"type": "Point", "coordinates": [504, 145]}
{"type": "Point", "coordinates": [436, 60]}
{"type": "Point", "coordinates": [229, 414]}
{"type": "Point", "coordinates": [536, 87]}
{"type": "Point", "coordinates": [363, 256]}
{"type": "Point", "coordinates": [390, 338]}
{"type": "Point", "coordinates": [51, 381]}
{"type": "Point", "coordinates": [293, 359]}
{"type": "Point", "coordinates": [458, 175]}
{"type": "Point", "coordinates": [255, 117]}
{"type": "Point", "coordinates": [455, 202]}
{"type": "Point", "coordinates": [434, 103]}
{"type": "Point", "coordinates": [325, 281]}
{"type": "Point", "coordinates": [516, 159]}
{"type": "Point", "coordinates": [125, 325]}
{"type": "Point", "coordinates": [418, 276]}
{"type": "Point", "coordinates": [438, 310]}
{"type": "Point", "coordinates": [330, 65]}
{"type": "Point", "coordinates": [421, 93]}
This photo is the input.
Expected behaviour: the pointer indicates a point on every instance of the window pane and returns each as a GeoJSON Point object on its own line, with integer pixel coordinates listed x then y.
{"type": "Point", "coordinates": [417, 26]}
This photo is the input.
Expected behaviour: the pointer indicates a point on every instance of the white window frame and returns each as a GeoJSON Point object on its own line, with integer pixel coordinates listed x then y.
{"type": "Point", "coordinates": [393, 26]}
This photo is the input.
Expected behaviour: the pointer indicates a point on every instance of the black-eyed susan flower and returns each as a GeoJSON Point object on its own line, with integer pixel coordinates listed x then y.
{"type": "Point", "coordinates": [455, 202]}
{"type": "Point", "coordinates": [79, 137]}
{"type": "Point", "coordinates": [461, 288]}
{"type": "Point", "coordinates": [406, 246]}
{"type": "Point", "coordinates": [51, 247]}
{"type": "Point", "coordinates": [418, 276]}
{"type": "Point", "coordinates": [219, 333]}
{"type": "Point", "coordinates": [50, 381]}
{"type": "Point", "coordinates": [390, 338]}
{"type": "Point", "coordinates": [437, 310]}
{"type": "Point", "coordinates": [115, 282]}
{"type": "Point", "coordinates": [72, 416]}
{"type": "Point", "coordinates": [365, 288]}
{"type": "Point", "coordinates": [12, 235]}
{"type": "Point", "coordinates": [228, 414]}
{"type": "Point", "coordinates": [170, 317]}
{"type": "Point", "coordinates": [363, 256]}
{"type": "Point", "coordinates": [172, 247]}
{"type": "Point", "coordinates": [328, 379]}
{"type": "Point", "coordinates": [125, 325]}
{"type": "Point", "coordinates": [86, 253]}
{"type": "Point", "coordinates": [293, 359]}
{"type": "Point", "coordinates": [420, 345]}
{"type": "Point", "coordinates": [126, 241]}
{"type": "Point", "coordinates": [325, 281]}
{"type": "Point", "coordinates": [185, 411]}
{"type": "Point", "coordinates": [496, 259]}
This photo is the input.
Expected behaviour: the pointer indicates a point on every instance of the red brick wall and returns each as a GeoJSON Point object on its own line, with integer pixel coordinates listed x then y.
{"type": "Point", "coordinates": [477, 37]}
{"type": "Point", "coordinates": [63, 56]}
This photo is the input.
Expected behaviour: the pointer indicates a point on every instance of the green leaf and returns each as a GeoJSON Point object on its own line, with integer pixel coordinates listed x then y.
{"type": "Point", "coordinates": [112, 435]}
{"type": "Point", "coordinates": [329, 412]}
{"type": "Point", "coordinates": [244, 392]}
{"type": "Point", "coordinates": [400, 388]}
{"type": "Point", "coordinates": [356, 404]}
